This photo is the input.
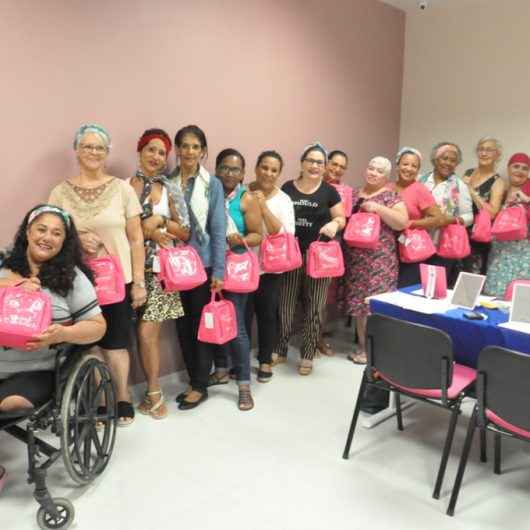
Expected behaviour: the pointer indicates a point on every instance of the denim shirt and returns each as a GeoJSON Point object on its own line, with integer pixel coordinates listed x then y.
{"type": "Point", "coordinates": [212, 251]}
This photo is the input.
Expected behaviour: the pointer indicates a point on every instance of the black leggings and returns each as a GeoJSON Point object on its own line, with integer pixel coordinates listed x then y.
{"type": "Point", "coordinates": [36, 387]}
{"type": "Point", "coordinates": [264, 303]}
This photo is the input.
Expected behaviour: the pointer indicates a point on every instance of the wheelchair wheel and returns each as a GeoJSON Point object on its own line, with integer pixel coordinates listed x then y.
{"type": "Point", "coordinates": [66, 511]}
{"type": "Point", "coordinates": [89, 420]}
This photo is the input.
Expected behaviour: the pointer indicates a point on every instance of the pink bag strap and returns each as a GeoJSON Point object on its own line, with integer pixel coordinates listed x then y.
{"type": "Point", "coordinates": [212, 298]}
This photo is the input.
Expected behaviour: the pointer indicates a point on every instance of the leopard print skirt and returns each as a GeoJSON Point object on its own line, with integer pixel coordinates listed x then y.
{"type": "Point", "coordinates": [160, 305]}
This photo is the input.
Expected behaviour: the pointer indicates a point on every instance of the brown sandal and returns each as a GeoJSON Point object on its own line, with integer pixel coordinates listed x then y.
{"type": "Point", "coordinates": [245, 399]}
{"type": "Point", "coordinates": [306, 367]}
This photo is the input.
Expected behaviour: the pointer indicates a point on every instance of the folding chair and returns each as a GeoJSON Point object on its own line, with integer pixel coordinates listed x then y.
{"type": "Point", "coordinates": [416, 361]}
{"type": "Point", "coordinates": [503, 405]}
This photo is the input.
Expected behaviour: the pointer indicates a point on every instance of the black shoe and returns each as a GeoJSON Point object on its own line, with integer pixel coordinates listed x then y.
{"type": "Point", "coordinates": [372, 410]}
{"type": "Point", "coordinates": [188, 405]}
{"type": "Point", "coordinates": [264, 377]}
{"type": "Point", "coordinates": [181, 396]}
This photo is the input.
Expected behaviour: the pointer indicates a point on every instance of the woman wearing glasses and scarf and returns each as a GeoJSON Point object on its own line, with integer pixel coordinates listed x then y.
{"type": "Point", "coordinates": [164, 220]}
{"type": "Point", "coordinates": [318, 212]}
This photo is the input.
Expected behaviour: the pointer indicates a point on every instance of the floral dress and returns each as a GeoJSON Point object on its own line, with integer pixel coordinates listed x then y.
{"type": "Point", "coordinates": [508, 260]}
{"type": "Point", "coordinates": [369, 271]}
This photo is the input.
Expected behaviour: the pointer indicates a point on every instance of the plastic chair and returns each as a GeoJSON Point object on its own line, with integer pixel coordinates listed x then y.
{"type": "Point", "coordinates": [503, 397]}
{"type": "Point", "coordinates": [508, 295]}
{"type": "Point", "coordinates": [416, 361]}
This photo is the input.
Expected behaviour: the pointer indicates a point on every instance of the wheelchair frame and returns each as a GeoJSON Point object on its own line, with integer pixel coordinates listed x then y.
{"type": "Point", "coordinates": [87, 430]}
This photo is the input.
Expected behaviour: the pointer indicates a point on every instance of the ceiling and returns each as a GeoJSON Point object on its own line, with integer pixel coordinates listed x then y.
{"type": "Point", "coordinates": [409, 5]}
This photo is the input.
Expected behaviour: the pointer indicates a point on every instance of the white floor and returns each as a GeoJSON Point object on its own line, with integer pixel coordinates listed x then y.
{"type": "Point", "coordinates": [279, 467]}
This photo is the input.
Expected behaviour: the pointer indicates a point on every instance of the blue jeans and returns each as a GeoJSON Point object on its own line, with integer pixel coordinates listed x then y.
{"type": "Point", "coordinates": [237, 349]}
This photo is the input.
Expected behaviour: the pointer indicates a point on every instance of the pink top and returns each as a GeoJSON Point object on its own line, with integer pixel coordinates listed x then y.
{"type": "Point", "coordinates": [416, 197]}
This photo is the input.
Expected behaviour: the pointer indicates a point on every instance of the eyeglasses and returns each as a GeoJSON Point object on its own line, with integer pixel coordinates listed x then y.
{"type": "Point", "coordinates": [487, 150]}
{"type": "Point", "coordinates": [231, 170]}
{"type": "Point", "coordinates": [99, 149]}
{"type": "Point", "coordinates": [312, 161]}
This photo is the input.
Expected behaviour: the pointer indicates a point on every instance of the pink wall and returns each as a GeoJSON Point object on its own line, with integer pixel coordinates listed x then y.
{"type": "Point", "coordinates": [253, 74]}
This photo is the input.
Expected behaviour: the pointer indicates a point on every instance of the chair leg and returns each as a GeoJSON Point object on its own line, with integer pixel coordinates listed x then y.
{"type": "Point", "coordinates": [497, 458]}
{"type": "Point", "coordinates": [447, 449]}
{"type": "Point", "coordinates": [483, 445]}
{"type": "Point", "coordinates": [463, 462]}
{"type": "Point", "coordinates": [353, 424]}
{"type": "Point", "coordinates": [399, 415]}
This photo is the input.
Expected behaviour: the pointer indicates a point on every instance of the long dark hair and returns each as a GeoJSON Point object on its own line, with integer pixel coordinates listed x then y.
{"type": "Point", "coordinates": [58, 273]}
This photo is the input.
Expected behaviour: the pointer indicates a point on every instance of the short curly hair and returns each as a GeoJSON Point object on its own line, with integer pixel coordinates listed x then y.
{"type": "Point", "coordinates": [58, 273]}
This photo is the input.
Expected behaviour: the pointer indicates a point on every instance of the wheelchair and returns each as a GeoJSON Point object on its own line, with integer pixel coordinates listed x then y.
{"type": "Point", "coordinates": [75, 414]}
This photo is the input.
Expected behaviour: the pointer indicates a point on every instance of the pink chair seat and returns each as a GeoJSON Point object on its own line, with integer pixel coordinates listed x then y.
{"type": "Point", "coordinates": [508, 295]}
{"type": "Point", "coordinates": [505, 425]}
{"type": "Point", "coordinates": [463, 376]}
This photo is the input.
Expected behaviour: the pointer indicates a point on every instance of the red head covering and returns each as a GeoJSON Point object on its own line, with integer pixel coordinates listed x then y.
{"type": "Point", "coordinates": [521, 158]}
{"type": "Point", "coordinates": [151, 134]}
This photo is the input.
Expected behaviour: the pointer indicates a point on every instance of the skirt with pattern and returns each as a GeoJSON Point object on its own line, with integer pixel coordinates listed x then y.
{"type": "Point", "coordinates": [160, 305]}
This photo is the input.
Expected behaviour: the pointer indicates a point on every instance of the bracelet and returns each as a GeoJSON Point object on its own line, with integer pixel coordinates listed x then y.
{"type": "Point", "coordinates": [140, 284]}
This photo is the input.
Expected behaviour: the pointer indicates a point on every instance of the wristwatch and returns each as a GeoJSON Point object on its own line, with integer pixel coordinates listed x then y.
{"type": "Point", "coordinates": [140, 284]}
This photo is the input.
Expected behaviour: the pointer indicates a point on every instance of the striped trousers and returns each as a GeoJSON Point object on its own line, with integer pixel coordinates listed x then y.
{"type": "Point", "coordinates": [313, 292]}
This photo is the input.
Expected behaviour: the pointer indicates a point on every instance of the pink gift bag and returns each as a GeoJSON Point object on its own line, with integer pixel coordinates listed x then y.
{"type": "Point", "coordinates": [108, 275]}
{"type": "Point", "coordinates": [23, 315]}
{"type": "Point", "coordinates": [454, 242]}
{"type": "Point", "coordinates": [181, 268]}
{"type": "Point", "coordinates": [241, 272]}
{"type": "Point", "coordinates": [508, 295]}
{"type": "Point", "coordinates": [280, 253]}
{"type": "Point", "coordinates": [218, 321]}
{"type": "Point", "coordinates": [325, 260]}
{"type": "Point", "coordinates": [415, 245]}
{"type": "Point", "coordinates": [482, 227]}
{"type": "Point", "coordinates": [346, 195]}
{"type": "Point", "coordinates": [433, 281]}
{"type": "Point", "coordinates": [362, 230]}
{"type": "Point", "coordinates": [511, 224]}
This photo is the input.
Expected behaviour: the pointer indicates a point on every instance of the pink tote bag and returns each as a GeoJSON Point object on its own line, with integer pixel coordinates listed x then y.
{"type": "Point", "coordinates": [454, 242]}
{"type": "Point", "coordinates": [23, 315]}
{"type": "Point", "coordinates": [325, 260]}
{"type": "Point", "coordinates": [433, 281]}
{"type": "Point", "coordinates": [280, 253]}
{"type": "Point", "coordinates": [346, 195]}
{"type": "Point", "coordinates": [362, 230]}
{"type": "Point", "coordinates": [416, 245]}
{"type": "Point", "coordinates": [109, 278]}
{"type": "Point", "coordinates": [482, 227]}
{"type": "Point", "coordinates": [241, 272]}
{"type": "Point", "coordinates": [218, 323]}
{"type": "Point", "coordinates": [511, 224]}
{"type": "Point", "coordinates": [181, 268]}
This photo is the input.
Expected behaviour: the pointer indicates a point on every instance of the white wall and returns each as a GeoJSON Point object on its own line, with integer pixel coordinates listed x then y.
{"type": "Point", "coordinates": [467, 76]}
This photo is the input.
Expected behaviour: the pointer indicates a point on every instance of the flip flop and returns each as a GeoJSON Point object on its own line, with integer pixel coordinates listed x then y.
{"type": "Point", "coordinates": [354, 358]}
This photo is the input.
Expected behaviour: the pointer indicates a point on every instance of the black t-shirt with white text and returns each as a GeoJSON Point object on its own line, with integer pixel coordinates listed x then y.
{"type": "Point", "coordinates": [311, 210]}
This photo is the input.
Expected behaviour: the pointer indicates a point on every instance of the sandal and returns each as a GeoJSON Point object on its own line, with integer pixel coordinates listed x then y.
{"type": "Point", "coordinates": [215, 379]}
{"type": "Point", "coordinates": [359, 357]}
{"type": "Point", "coordinates": [245, 399]}
{"type": "Point", "coordinates": [263, 375]}
{"type": "Point", "coordinates": [101, 411]}
{"type": "Point", "coordinates": [158, 410]}
{"type": "Point", "coordinates": [325, 349]}
{"type": "Point", "coordinates": [3, 477]}
{"type": "Point", "coordinates": [278, 359]}
{"type": "Point", "coordinates": [306, 367]}
{"type": "Point", "coordinates": [125, 414]}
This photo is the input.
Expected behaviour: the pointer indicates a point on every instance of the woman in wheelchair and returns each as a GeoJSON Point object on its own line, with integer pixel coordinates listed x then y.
{"type": "Point", "coordinates": [46, 255]}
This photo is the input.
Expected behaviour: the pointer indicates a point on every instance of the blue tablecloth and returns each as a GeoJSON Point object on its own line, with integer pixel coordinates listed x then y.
{"type": "Point", "coordinates": [469, 336]}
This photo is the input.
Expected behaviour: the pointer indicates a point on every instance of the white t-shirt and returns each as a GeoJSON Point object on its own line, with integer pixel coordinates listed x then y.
{"type": "Point", "coordinates": [282, 208]}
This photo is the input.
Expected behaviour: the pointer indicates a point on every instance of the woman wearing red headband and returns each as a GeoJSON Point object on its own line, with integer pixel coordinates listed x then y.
{"type": "Point", "coordinates": [510, 260]}
{"type": "Point", "coordinates": [164, 220]}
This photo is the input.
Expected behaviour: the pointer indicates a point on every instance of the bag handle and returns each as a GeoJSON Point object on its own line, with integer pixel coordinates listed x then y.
{"type": "Point", "coordinates": [213, 293]}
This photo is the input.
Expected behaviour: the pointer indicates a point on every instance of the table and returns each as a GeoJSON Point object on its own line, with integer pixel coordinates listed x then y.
{"type": "Point", "coordinates": [469, 336]}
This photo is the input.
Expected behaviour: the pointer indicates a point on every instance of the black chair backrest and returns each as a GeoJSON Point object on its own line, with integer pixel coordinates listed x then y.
{"type": "Point", "coordinates": [504, 388]}
{"type": "Point", "coordinates": [410, 354]}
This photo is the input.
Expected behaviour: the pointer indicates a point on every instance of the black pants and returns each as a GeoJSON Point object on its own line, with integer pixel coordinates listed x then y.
{"type": "Point", "coordinates": [198, 356]}
{"type": "Point", "coordinates": [264, 304]}
{"type": "Point", "coordinates": [409, 274]}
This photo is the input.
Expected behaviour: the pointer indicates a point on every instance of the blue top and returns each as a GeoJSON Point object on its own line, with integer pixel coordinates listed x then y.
{"type": "Point", "coordinates": [211, 251]}
{"type": "Point", "coordinates": [235, 211]}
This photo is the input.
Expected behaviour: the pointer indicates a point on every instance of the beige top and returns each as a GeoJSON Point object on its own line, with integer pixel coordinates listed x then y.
{"type": "Point", "coordinates": [103, 210]}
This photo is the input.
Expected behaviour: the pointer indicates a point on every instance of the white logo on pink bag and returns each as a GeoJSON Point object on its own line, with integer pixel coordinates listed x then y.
{"type": "Point", "coordinates": [182, 264]}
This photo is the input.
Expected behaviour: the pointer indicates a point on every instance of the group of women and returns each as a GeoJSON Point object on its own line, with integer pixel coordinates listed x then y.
{"type": "Point", "coordinates": [94, 213]}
